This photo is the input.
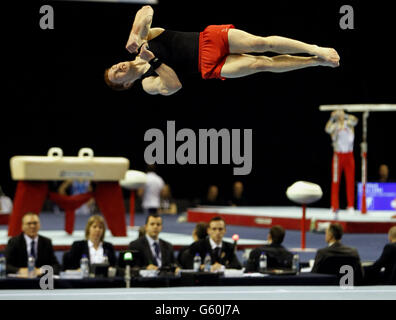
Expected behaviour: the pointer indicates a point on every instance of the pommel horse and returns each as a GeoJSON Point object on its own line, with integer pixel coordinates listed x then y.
{"type": "Point", "coordinates": [34, 172]}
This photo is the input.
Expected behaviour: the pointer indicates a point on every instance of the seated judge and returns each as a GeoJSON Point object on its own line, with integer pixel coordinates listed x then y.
{"type": "Point", "coordinates": [330, 259]}
{"type": "Point", "coordinates": [277, 255]}
{"type": "Point", "coordinates": [153, 253]}
{"type": "Point", "coordinates": [30, 243]}
{"type": "Point", "coordinates": [222, 253]}
{"type": "Point", "coordinates": [199, 233]}
{"type": "Point", "coordinates": [94, 246]}
{"type": "Point", "coordinates": [386, 262]}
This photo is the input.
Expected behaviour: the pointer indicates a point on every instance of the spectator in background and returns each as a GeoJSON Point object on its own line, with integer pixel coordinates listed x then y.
{"type": "Point", "coordinates": [167, 203]}
{"type": "Point", "coordinates": [94, 246]}
{"type": "Point", "coordinates": [151, 192]}
{"type": "Point", "coordinates": [238, 199]}
{"type": "Point", "coordinates": [74, 187]}
{"type": "Point", "coordinates": [383, 174]}
{"type": "Point", "coordinates": [142, 231]}
{"type": "Point", "coordinates": [277, 255]}
{"type": "Point", "coordinates": [212, 197]}
{"type": "Point", "coordinates": [386, 261]}
{"type": "Point", "coordinates": [30, 243]}
{"type": "Point", "coordinates": [5, 203]}
{"type": "Point", "coordinates": [199, 233]}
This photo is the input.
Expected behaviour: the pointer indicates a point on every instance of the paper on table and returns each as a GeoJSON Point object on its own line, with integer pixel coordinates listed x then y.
{"type": "Point", "coordinates": [255, 274]}
{"type": "Point", "coordinates": [21, 276]}
{"type": "Point", "coordinates": [232, 273]}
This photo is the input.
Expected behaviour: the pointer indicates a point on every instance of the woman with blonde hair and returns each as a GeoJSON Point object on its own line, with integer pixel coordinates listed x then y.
{"type": "Point", "coordinates": [94, 247]}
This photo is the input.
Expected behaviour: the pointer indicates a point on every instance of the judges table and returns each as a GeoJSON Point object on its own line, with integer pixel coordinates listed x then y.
{"type": "Point", "coordinates": [185, 279]}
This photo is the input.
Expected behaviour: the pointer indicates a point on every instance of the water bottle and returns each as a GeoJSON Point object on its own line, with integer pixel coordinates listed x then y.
{"type": "Point", "coordinates": [31, 267]}
{"type": "Point", "coordinates": [2, 266]}
{"type": "Point", "coordinates": [296, 263]}
{"type": "Point", "coordinates": [84, 266]}
{"type": "Point", "coordinates": [197, 262]}
{"type": "Point", "coordinates": [207, 262]}
{"type": "Point", "coordinates": [263, 262]}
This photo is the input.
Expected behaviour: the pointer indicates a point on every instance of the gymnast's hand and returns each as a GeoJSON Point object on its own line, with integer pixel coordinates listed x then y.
{"type": "Point", "coordinates": [334, 114]}
{"type": "Point", "coordinates": [145, 54]}
{"type": "Point", "coordinates": [133, 43]}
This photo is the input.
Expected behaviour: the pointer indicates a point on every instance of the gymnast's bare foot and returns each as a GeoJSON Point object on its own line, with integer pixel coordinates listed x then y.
{"type": "Point", "coordinates": [325, 63]}
{"type": "Point", "coordinates": [328, 56]}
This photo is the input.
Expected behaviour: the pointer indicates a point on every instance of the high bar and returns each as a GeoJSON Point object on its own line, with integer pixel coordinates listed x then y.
{"type": "Point", "coordinates": [358, 107]}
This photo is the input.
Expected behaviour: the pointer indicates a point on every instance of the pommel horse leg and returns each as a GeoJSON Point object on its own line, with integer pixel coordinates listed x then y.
{"type": "Point", "coordinates": [132, 197]}
{"type": "Point", "coordinates": [29, 197]}
{"type": "Point", "coordinates": [108, 196]}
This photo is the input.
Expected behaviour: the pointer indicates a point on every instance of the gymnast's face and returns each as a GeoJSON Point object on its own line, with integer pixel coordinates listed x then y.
{"type": "Point", "coordinates": [122, 73]}
{"type": "Point", "coordinates": [341, 114]}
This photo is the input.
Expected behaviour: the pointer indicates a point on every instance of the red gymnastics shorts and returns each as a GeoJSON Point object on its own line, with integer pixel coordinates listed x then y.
{"type": "Point", "coordinates": [213, 50]}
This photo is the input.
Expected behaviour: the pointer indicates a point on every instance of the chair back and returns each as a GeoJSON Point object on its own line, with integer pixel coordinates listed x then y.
{"type": "Point", "coordinates": [66, 261]}
{"type": "Point", "coordinates": [392, 279]}
{"type": "Point", "coordinates": [279, 258]}
{"type": "Point", "coordinates": [333, 264]}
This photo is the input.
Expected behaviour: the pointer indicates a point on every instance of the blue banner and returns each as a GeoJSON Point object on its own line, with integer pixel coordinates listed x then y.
{"type": "Point", "coordinates": [379, 196]}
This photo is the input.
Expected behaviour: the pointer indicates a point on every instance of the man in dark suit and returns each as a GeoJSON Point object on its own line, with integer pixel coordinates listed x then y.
{"type": "Point", "coordinates": [277, 255]}
{"type": "Point", "coordinates": [336, 251]}
{"type": "Point", "coordinates": [152, 252]}
{"type": "Point", "coordinates": [222, 253]}
{"type": "Point", "coordinates": [200, 232]}
{"type": "Point", "coordinates": [29, 242]}
{"type": "Point", "coordinates": [387, 260]}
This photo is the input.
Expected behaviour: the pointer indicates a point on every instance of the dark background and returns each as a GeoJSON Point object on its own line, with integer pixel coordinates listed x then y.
{"type": "Point", "coordinates": [54, 94]}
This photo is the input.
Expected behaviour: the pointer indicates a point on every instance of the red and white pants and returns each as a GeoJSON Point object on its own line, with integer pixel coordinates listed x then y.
{"type": "Point", "coordinates": [343, 162]}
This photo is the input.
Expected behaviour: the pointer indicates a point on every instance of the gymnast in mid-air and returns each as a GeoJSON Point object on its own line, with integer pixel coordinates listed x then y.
{"type": "Point", "coordinates": [220, 51]}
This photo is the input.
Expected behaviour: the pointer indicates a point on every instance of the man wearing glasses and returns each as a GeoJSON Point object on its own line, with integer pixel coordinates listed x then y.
{"type": "Point", "coordinates": [30, 243]}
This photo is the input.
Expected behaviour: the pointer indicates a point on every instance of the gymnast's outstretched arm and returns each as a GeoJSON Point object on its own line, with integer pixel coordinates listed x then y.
{"type": "Point", "coordinates": [140, 28]}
